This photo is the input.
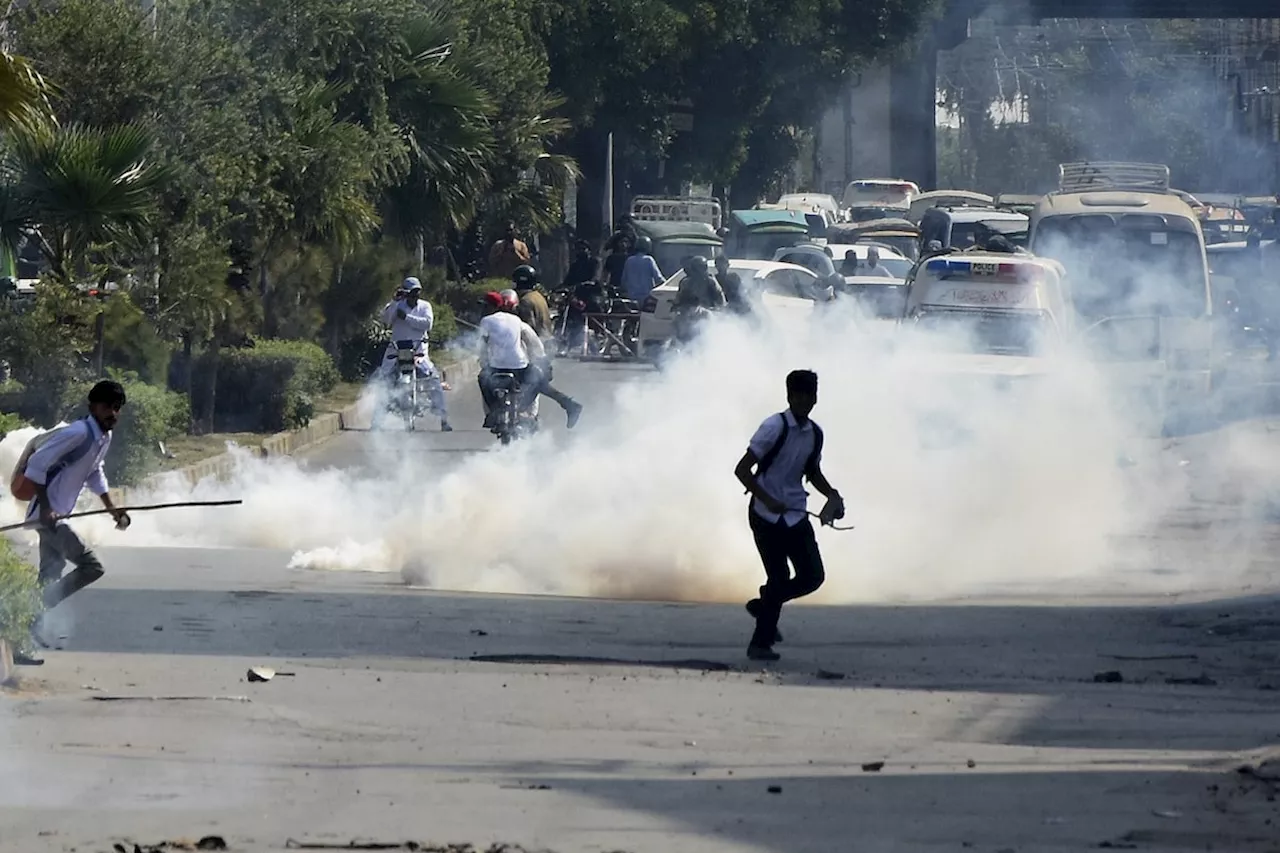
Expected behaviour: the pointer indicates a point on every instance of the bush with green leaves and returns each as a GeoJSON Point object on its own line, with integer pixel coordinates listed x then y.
{"type": "Point", "coordinates": [8, 423]}
{"type": "Point", "coordinates": [19, 595]}
{"type": "Point", "coordinates": [269, 387]}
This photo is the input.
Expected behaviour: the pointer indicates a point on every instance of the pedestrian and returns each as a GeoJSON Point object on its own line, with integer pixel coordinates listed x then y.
{"type": "Point", "coordinates": [507, 254]}
{"type": "Point", "coordinates": [785, 450]}
{"type": "Point", "coordinates": [60, 469]}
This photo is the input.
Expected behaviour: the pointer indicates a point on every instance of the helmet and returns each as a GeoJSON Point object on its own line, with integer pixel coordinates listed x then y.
{"type": "Point", "coordinates": [509, 299]}
{"type": "Point", "coordinates": [525, 277]}
{"type": "Point", "coordinates": [697, 265]}
{"type": "Point", "coordinates": [644, 245]}
{"type": "Point", "coordinates": [411, 284]}
{"type": "Point", "coordinates": [493, 299]}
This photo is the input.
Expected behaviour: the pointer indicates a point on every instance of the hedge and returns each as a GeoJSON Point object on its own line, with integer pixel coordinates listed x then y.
{"type": "Point", "coordinates": [19, 596]}
{"type": "Point", "coordinates": [269, 387]}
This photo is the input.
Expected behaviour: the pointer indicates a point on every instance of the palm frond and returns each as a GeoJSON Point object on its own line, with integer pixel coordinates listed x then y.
{"type": "Point", "coordinates": [24, 95]}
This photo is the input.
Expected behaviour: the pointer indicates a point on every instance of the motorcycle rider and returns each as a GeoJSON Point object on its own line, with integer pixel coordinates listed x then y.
{"type": "Point", "coordinates": [411, 318]}
{"type": "Point", "coordinates": [511, 345]}
{"type": "Point", "coordinates": [532, 306]}
{"type": "Point", "coordinates": [586, 294]}
{"type": "Point", "coordinates": [698, 295]}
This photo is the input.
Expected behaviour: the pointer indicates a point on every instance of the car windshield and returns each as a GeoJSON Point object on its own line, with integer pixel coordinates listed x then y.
{"type": "Point", "coordinates": [987, 332]}
{"type": "Point", "coordinates": [1126, 270]}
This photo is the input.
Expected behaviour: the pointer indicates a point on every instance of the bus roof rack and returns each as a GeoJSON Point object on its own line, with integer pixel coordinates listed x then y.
{"type": "Point", "coordinates": [1084, 177]}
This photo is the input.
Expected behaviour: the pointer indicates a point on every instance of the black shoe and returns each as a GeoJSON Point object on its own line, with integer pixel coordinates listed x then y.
{"type": "Point", "coordinates": [753, 607]}
{"type": "Point", "coordinates": [572, 412]}
{"type": "Point", "coordinates": [762, 653]}
{"type": "Point", "coordinates": [445, 427]}
{"type": "Point", "coordinates": [25, 659]}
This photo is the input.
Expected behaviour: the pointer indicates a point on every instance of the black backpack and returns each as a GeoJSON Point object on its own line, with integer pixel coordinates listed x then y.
{"type": "Point", "coordinates": [810, 466]}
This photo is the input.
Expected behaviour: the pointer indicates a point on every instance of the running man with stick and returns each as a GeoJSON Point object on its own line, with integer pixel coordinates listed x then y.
{"type": "Point", "coordinates": [786, 450]}
{"type": "Point", "coordinates": [60, 469]}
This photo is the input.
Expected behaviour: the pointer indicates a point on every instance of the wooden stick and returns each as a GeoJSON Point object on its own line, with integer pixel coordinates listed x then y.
{"type": "Point", "coordinates": [36, 523]}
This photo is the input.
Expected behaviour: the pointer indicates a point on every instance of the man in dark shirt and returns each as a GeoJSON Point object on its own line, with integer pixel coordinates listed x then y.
{"type": "Point", "coordinates": [735, 297]}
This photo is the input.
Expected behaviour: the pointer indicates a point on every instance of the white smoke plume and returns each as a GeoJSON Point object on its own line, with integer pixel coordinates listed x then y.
{"type": "Point", "coordinates": [1024, 491]}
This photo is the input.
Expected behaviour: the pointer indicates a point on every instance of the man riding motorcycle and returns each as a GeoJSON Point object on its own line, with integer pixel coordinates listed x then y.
{"type": "Point", "coordinates": [411, 318]}
{"type": "Point", "coordinates": [699, 295]}
{"type": "Point", "coordinates": [511, 345]}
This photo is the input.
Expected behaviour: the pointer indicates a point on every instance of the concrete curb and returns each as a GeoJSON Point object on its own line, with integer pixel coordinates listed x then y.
{"type": "Point", "coordinates": [319, 429]}
{"type": "Point", "coordinates": [8, 674]}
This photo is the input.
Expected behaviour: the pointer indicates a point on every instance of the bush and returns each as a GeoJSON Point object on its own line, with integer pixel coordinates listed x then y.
{"type": "Point", "coordinates": [8, 423]}
{"type": "Point", "coordinates": [153, 414]}
{"type": "Point", "coordinates": [269, 387]}
{"type": "Point", "coordinates": [19, 596]}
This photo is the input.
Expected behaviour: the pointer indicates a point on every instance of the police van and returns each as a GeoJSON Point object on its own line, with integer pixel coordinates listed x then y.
{"type": "Point", "coordinates": [991, 305]}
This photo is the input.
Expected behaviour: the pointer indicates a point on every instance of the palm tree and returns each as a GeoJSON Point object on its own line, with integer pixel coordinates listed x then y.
{"type": "Point", "coordinates": [444, 119]}
{"type": "Point", "coordinates": [75, 189]}
{"type": "Point", "coordinates": [24, 95]}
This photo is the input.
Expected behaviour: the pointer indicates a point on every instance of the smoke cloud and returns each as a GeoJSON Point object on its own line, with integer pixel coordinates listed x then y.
{"type": "Point", "coordinates": [963, 474]}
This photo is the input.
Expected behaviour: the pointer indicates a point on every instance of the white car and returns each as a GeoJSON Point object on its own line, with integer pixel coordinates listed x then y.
{"type": "Point", "coordinates": [815, 258]}
{"type": "Point", "coordinates": [778, 284]}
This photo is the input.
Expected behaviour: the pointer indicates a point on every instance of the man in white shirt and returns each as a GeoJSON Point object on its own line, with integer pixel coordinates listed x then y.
{"type": "Point", "coordinates": [68, 461]}
{"type": "Point", "coordinates": [785, 450]}
{"type": "Point", "coordinates": [411, 318]}
{"type": "Point", "coordinates": [873, 267]}
{"type": "Point", "coordinates": [510, 345]}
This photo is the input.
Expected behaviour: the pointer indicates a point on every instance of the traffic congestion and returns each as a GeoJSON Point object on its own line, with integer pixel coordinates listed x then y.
{"type": "Point", "coordinates": [1170, 292]}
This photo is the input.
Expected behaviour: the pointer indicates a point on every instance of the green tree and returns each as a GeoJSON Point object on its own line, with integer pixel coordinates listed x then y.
{"type": "Point", "coordinates": [79, 190]}
{"type": "Point", "coordinates": [24, 95]}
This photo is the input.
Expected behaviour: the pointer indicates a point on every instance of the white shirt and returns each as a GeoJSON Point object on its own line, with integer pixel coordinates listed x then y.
{"type": "Point", "coordinates": [785, 478]}
{"type": "Point", "coordinates": [508, 342]}
{"type": "Point", "coordinates": [68, 483]}
{"type": "Point", "coordinates": [416, 324]}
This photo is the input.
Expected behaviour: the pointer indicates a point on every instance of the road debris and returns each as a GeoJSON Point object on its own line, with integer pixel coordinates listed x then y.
{"type": "Point", "coordinates": [479, 632]}
{"type": "Point", "coordinates": [775, 789]}
{"type": "Point", "coordinates": [873, 767]}
{"type": "Point", "coordinates": [828, 675]}
{"type": "Point", "coordinates": [971, 764]}
{"type": "Point", "coordinates": [1111, 676]}
{"type": "Point", "coordinates": [1167, 813]}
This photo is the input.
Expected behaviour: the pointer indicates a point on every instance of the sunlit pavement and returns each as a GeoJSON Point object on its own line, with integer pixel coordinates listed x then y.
{"type": "Point", "coordinates": [581, 725]}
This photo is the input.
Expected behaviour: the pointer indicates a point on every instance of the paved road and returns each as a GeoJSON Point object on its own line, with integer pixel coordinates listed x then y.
{"type": "Point", "coordinates": [592, 383]}
{"type": "Point", "coordinates": [592, 725]}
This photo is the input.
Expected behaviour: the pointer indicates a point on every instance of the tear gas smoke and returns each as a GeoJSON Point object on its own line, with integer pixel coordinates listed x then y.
{"type": "Point", "coordinates": [958, 482]}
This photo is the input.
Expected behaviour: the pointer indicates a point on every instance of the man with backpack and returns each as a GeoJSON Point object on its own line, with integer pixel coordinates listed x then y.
{"type": "Point", "coordinates": [785, 450]}
{"type": "Point", "coordinates": [52, 476]}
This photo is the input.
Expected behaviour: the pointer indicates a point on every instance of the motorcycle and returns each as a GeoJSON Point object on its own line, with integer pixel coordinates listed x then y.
{"type": "Point", "coordinates": [509, 421]}
{"type": "Point", "coordinates": [402, 398]}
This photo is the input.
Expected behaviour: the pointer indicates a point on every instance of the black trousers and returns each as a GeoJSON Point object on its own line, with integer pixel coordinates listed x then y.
{"type": "Point", "coordinates": [779, 545]}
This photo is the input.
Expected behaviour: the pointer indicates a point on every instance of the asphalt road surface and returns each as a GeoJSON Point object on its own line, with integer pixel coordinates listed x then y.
{"type": "Point", "coordinates": [585, 725]}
